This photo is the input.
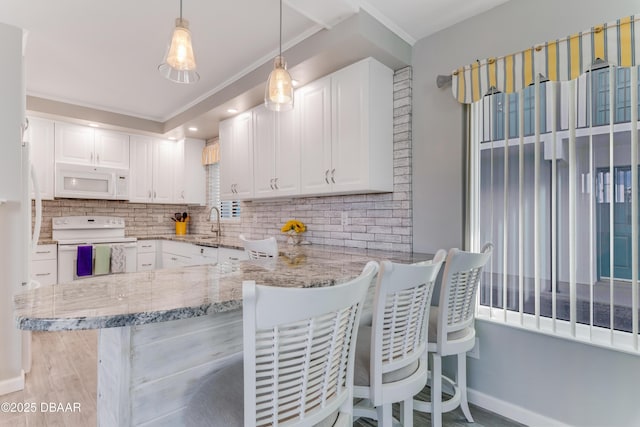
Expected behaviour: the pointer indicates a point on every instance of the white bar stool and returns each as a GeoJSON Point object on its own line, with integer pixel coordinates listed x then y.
{"type": "Point", "coordinates": [258, 249]}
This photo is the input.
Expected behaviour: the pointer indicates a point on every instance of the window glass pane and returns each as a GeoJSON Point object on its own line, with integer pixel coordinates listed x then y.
{"type": "Point", "coordinates": [600, 90]}
{"type": "Point", "coordinates": [601, 172]}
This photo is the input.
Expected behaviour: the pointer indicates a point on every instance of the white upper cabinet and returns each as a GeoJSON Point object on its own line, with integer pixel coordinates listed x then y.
{"type": "Point", "coordinates": [141, 174]}
{"type": "Point", "coordinates": [313, 108]}
{"type": "Point", "coordinates": [41, 136]}
{"type": "Point", "coordinates": [88, 146]}
{"type": "Point", "coordinates": [236, 158]}
{"type": "Point", "coordinates": [111, 149]}
{"type": "Point", "coordinates": [152, 170]}
{"type": "Point", "coordinates": [190, 175]}
{"type": "Point", "coordinates": [275, 153]}
{"type": "Point", "coordinates": [337, 140]}
{"type": "Point", "coordinates": [346, 131]}
{"type": "Point", "coordinates": [163, 170]}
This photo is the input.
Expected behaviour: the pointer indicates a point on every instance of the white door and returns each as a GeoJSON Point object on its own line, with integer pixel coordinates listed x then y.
{"type": "Point", "coordinates": [349, 149]}
{"type": "Point", "coordinates": [287, 155]}
{"type": "Point", "coordinates": [74, 144]}
{"type": "Point", "coordinates": [264, 142]}
{"type": "Point", "coordinates": [163, 170]}
{"type": "Point", "coordinates": [42, 154]}
{"type": "Point", "coordinates": [112, 149]}
{"type": "Point", "coordinates": [313, 104]}
{"type": "Point", "coordinates": [141, 172]}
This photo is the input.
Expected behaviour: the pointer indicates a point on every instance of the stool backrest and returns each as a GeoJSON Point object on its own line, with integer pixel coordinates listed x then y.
{"type": "Point", "coordinates": [457, 306]}
{"type": "Point", "coordinates": [257, 249]}
{"type": "Point", "coordinates": [400, 316]}
{"type": "Point", "coordinates": [299, 350]}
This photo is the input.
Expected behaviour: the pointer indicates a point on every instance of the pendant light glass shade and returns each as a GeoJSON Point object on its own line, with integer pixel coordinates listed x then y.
{"type": "Point", "coordinates": [278, 95]}
{"type": "Point", "coordinates": [179, 63]}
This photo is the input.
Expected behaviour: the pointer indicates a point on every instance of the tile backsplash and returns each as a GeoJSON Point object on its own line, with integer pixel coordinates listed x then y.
{"type": "Point", "coordinates": [374, 221]}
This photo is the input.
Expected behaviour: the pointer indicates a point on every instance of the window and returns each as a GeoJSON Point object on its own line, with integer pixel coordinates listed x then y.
{"type": "Point", "coordinates": [560, 213]}
{"type": "Point", "coordinates": [228, 208]}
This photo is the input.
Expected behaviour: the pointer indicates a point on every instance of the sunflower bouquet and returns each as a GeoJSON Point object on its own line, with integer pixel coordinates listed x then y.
{"type": "Point", "coordinates": [293, 227]}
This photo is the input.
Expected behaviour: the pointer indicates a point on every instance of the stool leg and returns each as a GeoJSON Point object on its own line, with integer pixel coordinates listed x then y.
{"type": "Point", "coordinates": [436, 391]}
{"type": "Point", "coordinates": [384, 415]}
{"type": "Point", "coordinates": [462, 385]}
{"type": "Point", "coordinates": [406, 412]}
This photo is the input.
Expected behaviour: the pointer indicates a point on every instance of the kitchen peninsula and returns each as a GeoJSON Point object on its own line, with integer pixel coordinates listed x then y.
{"type": "Point", "coordinates": [161, 331]}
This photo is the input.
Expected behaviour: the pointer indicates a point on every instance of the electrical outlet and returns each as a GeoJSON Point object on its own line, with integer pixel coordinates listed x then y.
{"type": "Point", "coordinates": [344, 219]}
{"type": "Point", "coordinates": [475, 351]}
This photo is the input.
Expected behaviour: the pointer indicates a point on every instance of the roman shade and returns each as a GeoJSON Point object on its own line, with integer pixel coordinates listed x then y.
{"type": "Point", "coordinates": [615, 43]}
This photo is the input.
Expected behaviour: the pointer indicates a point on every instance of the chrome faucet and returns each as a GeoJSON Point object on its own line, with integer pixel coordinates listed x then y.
{"type": "Point", "coordinates": [217, 230]}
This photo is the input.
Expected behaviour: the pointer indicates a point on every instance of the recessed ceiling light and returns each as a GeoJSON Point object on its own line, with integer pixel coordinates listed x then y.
{"type": "Point", "coordinates": [93, 125]}
{"type": "Point", "coordinates": [295, 83]}
{"type": "Point", "coordinates": [232, 110]}
{"type": "Point", "coordinates": [172, 138]}
{"type": "Point", "coordinates": [193, 128]}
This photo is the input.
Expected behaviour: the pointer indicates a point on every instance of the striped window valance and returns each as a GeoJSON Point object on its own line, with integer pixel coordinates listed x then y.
{"type": "Point", "coordinates": [616, 43]}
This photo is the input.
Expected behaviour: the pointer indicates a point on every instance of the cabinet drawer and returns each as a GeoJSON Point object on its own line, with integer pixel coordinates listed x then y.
{"type": "Point", "coordinates": [231, 255]}
{"type": "Point", "coordinates": [43, 252]}
{"type": "Point", "coordinates": [146, 246]}
{"type": "Point", "coordinates": [45, 271]}
{"type": "Point", "coordinates": [170, 260]}
{"type": "Point", "coordinates": [146, 261]}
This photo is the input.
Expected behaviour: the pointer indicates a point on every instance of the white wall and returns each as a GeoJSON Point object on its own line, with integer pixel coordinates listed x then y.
{"type": "Point", "coordinates": [572, 383]}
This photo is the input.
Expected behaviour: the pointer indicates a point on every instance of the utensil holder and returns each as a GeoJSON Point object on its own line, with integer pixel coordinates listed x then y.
{"type": "Point", "coordinates": [181, 228]}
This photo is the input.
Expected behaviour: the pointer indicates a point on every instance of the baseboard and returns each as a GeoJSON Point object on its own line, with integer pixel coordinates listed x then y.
{"type": "Point", "coordinates": [12, 384]}
{"type": "Point", "coordinates": [509, 410]}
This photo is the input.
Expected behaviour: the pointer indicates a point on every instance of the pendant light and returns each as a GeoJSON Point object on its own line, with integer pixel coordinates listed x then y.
{"type": "Point", "coordinates": [278, 95]}
{"type": "Point", "coordinates": [179, 63]}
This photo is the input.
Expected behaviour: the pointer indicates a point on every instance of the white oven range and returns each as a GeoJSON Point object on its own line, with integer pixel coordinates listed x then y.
{"type": "Point", "coordinates": [73, 231]}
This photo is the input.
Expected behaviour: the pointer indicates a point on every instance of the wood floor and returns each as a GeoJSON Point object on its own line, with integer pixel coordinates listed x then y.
{"type": "Point", "coordinates": [64, 373]}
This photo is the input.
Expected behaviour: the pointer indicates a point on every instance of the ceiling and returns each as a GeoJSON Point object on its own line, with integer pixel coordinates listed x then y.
{"type": "Point", "coordinates": [97, 60]}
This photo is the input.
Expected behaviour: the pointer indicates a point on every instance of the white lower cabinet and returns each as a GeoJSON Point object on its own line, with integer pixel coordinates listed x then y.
{"type": "Point", "coordinates": [231, 255]}
{"type": "Point", "coordinates": [44, 264]}
{"type": "Point", "coordinates": [147, 252]}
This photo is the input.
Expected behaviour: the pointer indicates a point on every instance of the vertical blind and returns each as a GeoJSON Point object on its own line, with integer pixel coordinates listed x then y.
{"type": "Point", "coordinates": [228, 208]}
{"type": "Point", "coordinates": [554, 184]}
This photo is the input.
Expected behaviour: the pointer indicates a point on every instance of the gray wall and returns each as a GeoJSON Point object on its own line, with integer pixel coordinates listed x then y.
{"type": "Point", "coordinates": [572, 383]}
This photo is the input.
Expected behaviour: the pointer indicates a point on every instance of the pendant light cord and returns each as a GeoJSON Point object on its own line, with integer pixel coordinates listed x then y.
{"type": "Point", "coordinates": [280, 28]}
{"type": "Point", "coordinates": [180, 10]}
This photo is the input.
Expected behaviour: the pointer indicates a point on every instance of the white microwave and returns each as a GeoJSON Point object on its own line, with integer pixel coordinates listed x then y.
{"type": "Point", "coordinates": [91, 182]}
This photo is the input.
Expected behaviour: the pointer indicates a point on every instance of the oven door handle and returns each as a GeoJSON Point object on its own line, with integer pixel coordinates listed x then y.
{"type": "Point", "coordinates": [74, 248]}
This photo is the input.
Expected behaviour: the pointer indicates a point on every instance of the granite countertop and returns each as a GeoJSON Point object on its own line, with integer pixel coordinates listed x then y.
{"type": "Point", "coordinates": [170, 294]}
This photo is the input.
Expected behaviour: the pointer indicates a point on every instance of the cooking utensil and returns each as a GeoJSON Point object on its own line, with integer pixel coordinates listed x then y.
{"type": "Point", "coordinates": [177, 216]}
{"type": "Point", "coordinates": [184, 216]}
{"type": "Point", "coordinates": [173, 219]}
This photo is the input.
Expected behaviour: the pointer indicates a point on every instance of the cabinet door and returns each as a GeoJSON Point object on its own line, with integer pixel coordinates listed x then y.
{"type": "Point", "coordinates": [313, 107]}
{"type": "Point", "coordinates": [111, 149]}
{"type": "Point", "coordinates": [178, 172]}
{"type": "Point", "coordinates": [163, 169]}
{"type": "Point", "coordinates": [287, 155]}
{"type": "Point", "coordinates": [74, 144]}
{"type": "Point", "coordinates": [236, 158]}
{"type": "Point", "coordinates": [140, 175]}
{"type": "Point", "coordinates": [243, 156]}
{"type": "Point", "coordinates": [264, 141]}
{"type": "Point", "coordinates": [194, 177]}
{"type": "Point", "coordinates": [41, 134]}
{"type": "Point", "coordinates": [226, 160]}
{"type": "Point", "coordinates": [349, 148]}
